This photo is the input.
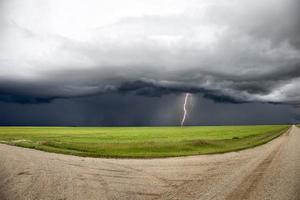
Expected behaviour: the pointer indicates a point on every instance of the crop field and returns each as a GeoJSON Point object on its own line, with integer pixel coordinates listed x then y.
{"type": "Point", "coordinates": [140, 142]}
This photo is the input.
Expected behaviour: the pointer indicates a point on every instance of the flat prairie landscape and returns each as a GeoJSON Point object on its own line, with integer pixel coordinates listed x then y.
{"type": "Point", "coordinates": [140, 142]}
{"type": "Point", "coordinates": [269, 171]}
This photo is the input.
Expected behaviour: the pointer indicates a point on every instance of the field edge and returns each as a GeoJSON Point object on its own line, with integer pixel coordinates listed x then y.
{"type": "Point", "coordinates": [208, 147]}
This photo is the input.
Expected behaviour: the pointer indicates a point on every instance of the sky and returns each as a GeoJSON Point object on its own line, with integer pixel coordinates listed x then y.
{"type": "Point", "coordinates": [130, 63]}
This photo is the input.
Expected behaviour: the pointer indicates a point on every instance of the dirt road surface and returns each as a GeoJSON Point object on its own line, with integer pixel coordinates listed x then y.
{"type": "Point", "coordinates": [270, 171]}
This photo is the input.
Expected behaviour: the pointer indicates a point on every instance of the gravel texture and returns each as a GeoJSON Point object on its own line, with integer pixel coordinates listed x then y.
{"type": "Point", "coordinates": [270, 171]}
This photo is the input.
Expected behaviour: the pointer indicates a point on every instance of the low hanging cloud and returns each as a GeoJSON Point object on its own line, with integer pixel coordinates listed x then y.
{"type": "Point", "coordinates": [229, 50]}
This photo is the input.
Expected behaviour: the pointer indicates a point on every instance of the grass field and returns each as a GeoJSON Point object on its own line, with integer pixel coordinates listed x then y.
{"type": "Point", "coordinates": [143, 142]}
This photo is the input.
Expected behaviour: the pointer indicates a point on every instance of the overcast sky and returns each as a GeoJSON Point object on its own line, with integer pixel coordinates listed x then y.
{"type": "Point", "coordinates": [81, 55]}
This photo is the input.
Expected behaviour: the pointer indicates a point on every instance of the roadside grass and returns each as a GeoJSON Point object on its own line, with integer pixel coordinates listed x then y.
{"type": "Point", "coordinates": [140, 142]}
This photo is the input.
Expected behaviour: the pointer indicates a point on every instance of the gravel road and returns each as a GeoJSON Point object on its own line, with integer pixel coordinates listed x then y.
{"type": "Point", "coordinates": [270, 171]}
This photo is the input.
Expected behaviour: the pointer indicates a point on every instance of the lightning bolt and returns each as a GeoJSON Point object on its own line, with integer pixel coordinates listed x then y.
{"type": "Point", "coordinates": [184, 108]}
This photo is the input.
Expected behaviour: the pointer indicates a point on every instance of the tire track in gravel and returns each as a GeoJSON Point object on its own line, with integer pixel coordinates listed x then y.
{"type": "Point", "coordinates": [270, 171]}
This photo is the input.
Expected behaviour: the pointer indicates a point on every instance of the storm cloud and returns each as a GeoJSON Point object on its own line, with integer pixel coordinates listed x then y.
{"type": "Point", "coordinates": [228, 50]}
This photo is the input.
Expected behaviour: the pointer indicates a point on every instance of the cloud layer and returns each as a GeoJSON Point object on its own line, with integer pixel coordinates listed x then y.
{"type": "Point", "coordinates": [230, 50]}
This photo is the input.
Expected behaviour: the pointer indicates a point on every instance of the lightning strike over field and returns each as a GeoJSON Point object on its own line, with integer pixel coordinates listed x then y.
{"type": "Point", "coordinates": [187, 95]}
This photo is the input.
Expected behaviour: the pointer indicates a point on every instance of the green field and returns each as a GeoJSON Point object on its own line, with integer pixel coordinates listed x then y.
{"type": "Point", "coordinates": [143, 142]}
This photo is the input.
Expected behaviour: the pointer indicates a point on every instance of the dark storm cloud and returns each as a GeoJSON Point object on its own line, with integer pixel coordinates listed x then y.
{"type": "Point", "coordinates": [229, 51]}
{"type": "Point", "coordinates": [127, 109]}
{"type": "Point", "coordinates": [151, 89]}
{"type": "Point", "coordinates": [24, 99]}
{"type": "Point", "coordinates": [139, 87]}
